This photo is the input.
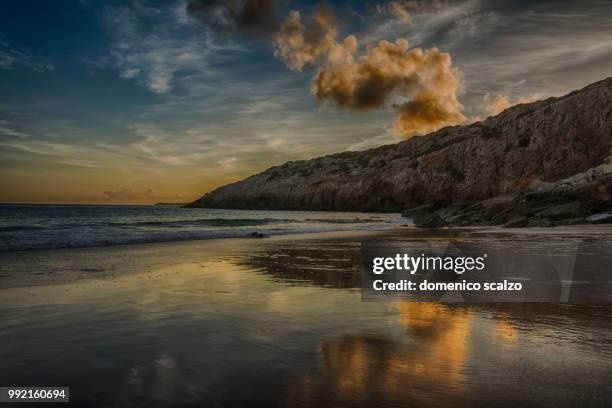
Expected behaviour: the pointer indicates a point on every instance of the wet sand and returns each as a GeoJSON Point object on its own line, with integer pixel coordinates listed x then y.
{"type": "Point", "coordinates": [280, 322]}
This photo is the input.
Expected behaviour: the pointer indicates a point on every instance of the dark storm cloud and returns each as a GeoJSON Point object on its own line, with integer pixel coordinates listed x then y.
{"type": "Point", "coordinates": [258, 17]}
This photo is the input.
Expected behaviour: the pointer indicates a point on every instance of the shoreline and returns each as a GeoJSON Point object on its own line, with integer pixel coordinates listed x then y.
{"type": "Point", "coordinates": [264, 235]}
{"type": "Point", "coordinates": [247, 237]}
{"type": "Point", "coordinates": [32, 228]}
{"type": "Point", "coordinates": [52, 266]}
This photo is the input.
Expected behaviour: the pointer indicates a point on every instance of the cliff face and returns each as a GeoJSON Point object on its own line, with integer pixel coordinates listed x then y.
{"type": "Point", "coordinates": [547, 140]}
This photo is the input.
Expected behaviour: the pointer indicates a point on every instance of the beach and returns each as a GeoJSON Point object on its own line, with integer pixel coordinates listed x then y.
{"type": "Point", "coordinates": [280, 322]}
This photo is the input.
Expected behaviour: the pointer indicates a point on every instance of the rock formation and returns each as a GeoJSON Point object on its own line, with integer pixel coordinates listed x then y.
{"type": "Point", "coordinates": [545, 144]}
{"type": "Point", "coordinates": [583, 198]}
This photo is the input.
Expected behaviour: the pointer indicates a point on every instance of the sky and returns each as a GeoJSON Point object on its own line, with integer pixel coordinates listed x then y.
{"type": "Point", "coordinates": [141, 102]}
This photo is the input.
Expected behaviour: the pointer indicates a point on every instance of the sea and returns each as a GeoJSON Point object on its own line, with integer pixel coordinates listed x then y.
{"type": "Point", "coordinates": [38, 226]}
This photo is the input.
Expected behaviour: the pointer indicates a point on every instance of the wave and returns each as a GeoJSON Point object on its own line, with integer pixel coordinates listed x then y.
{"type": "Point", "coordinates": [14, 228]}
{"type": "Point", "coordinates": [345, 220]}
{"type": "Point", "coordinates": [125, 226]}
{"type": "Point", "coordinates": [211, 222]}
{"type": "Point", "coordinates": [97, 240]}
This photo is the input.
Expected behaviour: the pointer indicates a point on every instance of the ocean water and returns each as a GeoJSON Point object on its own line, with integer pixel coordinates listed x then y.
{"type": "Point", "coordinates": [72, 226]}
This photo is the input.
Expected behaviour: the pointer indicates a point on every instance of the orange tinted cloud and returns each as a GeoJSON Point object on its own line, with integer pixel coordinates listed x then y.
{"type": "Point", "coordinates": [400, 12]}
{"type": "Point", "coordinates": [424, 81]}
{"type": "Point", "coordinates": [499, 103]}
{"type": "Point", "coordinates": [301, 44]}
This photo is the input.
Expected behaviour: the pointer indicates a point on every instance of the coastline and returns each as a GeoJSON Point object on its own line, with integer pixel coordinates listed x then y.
{"type": "Point", "coordinates": [65, 265]}
{"type": "Point", "coordinates": [40, 267]}
{"type": "Point", "coordinates": [45, 227]}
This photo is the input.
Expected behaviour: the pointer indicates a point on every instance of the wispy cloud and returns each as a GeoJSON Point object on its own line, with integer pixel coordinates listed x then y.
{"type": "Point", "coordinates": [7, 129]}
{"type": "Point", "coordinates": [430, 22]}
{"type": "Point", "coordinates": [13, 57]}
{"type": "Point", "coordinates": [155, 45]}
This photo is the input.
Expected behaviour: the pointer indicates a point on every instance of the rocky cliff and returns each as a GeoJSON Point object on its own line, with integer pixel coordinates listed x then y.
{"type": "Point", "coordinates": [544, 141]}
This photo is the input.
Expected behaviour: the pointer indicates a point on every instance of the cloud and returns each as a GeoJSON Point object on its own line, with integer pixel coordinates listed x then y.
{"type": "Point", "coordinates": [244, 16]}
{"type": "Point", "coordinates": [424, 81]}
{"type": "Point", "coordinates": [43, 148]}
{"type": "Point", "coordinates": [11, 57]}
{"type": "Point", "coordinates": [156, 45]}
{"type": "Point", "coordinates": [396, 9]}
{"type": "Point", "coordinates": [437, 22]}
{"type": "Point", "coordinates": [400, 12]}
{"type": "Point", "coordinates": [496, 104]}
{"type": "Point", "coordinates": [552, 48]}
{"type": "Point", "coordinates": [304, 44]}
{"type": "Point", "coordinates": [7, 130]}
